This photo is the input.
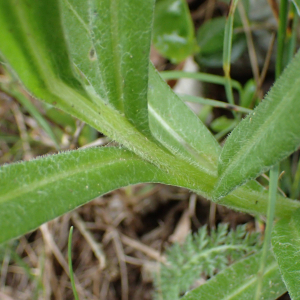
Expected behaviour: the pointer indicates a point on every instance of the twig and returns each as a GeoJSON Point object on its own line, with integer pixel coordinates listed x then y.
{"type": "Point", "coordinates": [274, 7]}
{"type": "Point", "coordinates": [143, 248]}
{"type": "Point", "coordinates": [122, 264]}
{"type": "Point", "coordinates": [99, 142]}
{"type": "Point", "coordinates": [249, 38]}
{"type": "Point", "coordinates": [79, 127]}
{"type": "Point", "coordinates": [96, 247]}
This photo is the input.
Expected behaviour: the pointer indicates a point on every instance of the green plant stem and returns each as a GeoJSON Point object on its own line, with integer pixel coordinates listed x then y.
{"type": "Point", "coordinates": [283, 13]}
{"type": "Point", "coordinates": [70, 264]}
{"type": "Point", "coordinates": [292, 34]}
{"type": "Point", "coordinates": [227, 51]}
{"type": "Point", "coordinates": [274, 173]}
{"type": "Point", "coordinates": [205, 77]}
{"type": "Point", "coordinates": [214, 103]}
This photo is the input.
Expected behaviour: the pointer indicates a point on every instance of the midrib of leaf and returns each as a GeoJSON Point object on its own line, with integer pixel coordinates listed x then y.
{"type": "Point", "coordinates": [251, 281]}
{"type": "Point", "coordinates": [74, 11]}
{"type": "Point", "coordinates": [257, 136]}
{"type": "Point", "coordinates": [204, 165]}
{"type": "Point", "coordinates": [88, 167]}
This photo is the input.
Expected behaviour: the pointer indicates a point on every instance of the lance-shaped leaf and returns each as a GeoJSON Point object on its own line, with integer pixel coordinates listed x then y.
{"type": "Point", "coordinates": [178, 128]}
{"type": "Point", "coordinates": [286, 245]}
{"type": "Point", "coordinates": [34, 47]}
{"type": "Point", "coordinates": [266, 136]}
{"type": "Point", "coordinates": [239, 281]}
{"type": "Point", "coordinates": [110, 44]}
{"type": "Point", "coordinates": [40, 190]}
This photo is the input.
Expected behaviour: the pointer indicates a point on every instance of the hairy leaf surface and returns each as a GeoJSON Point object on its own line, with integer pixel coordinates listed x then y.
{"type": "Point", "coordinates": [239, 281]}
{"type": "Point", "coordinates": [110, 44]}
{"type": "Point", "coordinates": [266, 136]}
{"type": "Point", "coordinates": [37, 191]}
{"type": "Point", "coordinates": [35, 49]}
{"type": "Point", "coordinates": [178, 128]}
{"type": "Point", "coordinates": [286, 245]}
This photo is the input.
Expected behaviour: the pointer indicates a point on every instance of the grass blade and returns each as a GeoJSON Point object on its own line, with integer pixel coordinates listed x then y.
{"type": "Point", "coordinates": [270, 218]}
{"type": "Point", "coordinates": [70, 264]}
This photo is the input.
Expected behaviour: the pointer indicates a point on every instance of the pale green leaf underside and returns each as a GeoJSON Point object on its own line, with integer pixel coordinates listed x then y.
{"type": "Point", "coordinates": [239, 281]}
{"type": "Point", "coordinates": [175, 126]}
{"type": "Point", "coordinates": [286, 247]}
{"type": "Point", "coordinates": [37, 191]}
{"type": "Point", "coordinates": [264, 137]}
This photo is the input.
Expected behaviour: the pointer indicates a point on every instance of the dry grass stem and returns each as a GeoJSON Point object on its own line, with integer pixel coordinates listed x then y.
{"type": "Point", "coordinates": [143, 248]}
{"type": "Point", "coordinates": [95, 246]}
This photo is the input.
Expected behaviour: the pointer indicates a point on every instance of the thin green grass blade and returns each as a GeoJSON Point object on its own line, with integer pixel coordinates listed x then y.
{"type": "Point", "coordinates": [239, 281]}
{"type": "Point", "coordinates": [70, 264]}
{"type": "Point", "coordinates": [215, 103]}
{"type": "Point", "coordinates": [33, 112]}
{"type": "Point", "coordinates": [286, 245]}
{"type": "Point", "coordinates": [227, 50]}
{"type": "Point", "coordinates": [274, 172]}
{"type": "Point", "coordinates": [266, 136]}
{"type": "Point", "coordinates": [204, 77]}
{"type": "Point", "coordinates": [297, 5]}
{"type": "Point", "coordinates": [37, 191]}
{"type": "Point", "coordinates": [283, 17]}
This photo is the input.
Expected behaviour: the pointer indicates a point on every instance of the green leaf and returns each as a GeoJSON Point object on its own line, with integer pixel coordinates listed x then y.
{"type": "Point", "coordinates": [286, 245]}
{"type": "Point", "coordinates": [221, 123]}
{"type": "Point", "coordinates": [248, 94]}
{"type": "Point", "coordinates": [239, 282]}
{"type": "Point", "coordinates": [210, 38]}
{"type": "Point", "coordinates": [297, 5]}
{"type": "Point", "coordinates": [110, 44]}
{"type": "Point", "coordinates": [176, 126]}
{"type": "Point", "coordinates": [40, 190]}
{"type": "Point", "coordinates": [173, 30]}
{"type": "Point", "coordinates": [36, 50]}
{"type": "Point", "coordinates": [202, 255]}
{"type": "Point", "coordinates": [266, 136]}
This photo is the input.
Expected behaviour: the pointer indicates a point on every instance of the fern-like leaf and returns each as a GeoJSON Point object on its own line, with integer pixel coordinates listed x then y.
{"type": "Point", "coordinates": [202, 254]}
